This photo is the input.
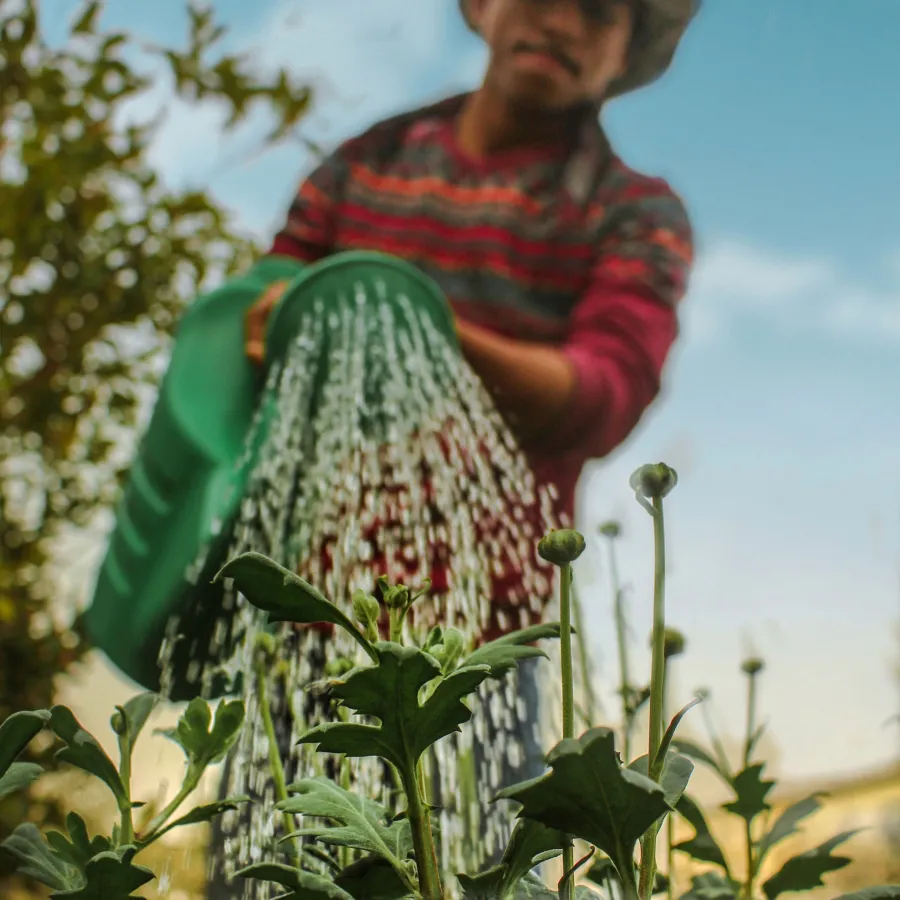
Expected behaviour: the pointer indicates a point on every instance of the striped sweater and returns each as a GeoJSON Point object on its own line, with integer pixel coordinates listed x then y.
{"type": "Point", "coordinates": [564, 245]}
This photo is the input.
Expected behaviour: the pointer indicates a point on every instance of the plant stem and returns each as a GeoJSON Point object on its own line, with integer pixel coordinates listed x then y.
{"type": "Point", "coordinates": [622, 641]}
{"type": "Point", "coordinates": [751, 718]}
{"type": "Point", "coordinates": [278, 776]}
{"type": "Point", "coordinates": [657, 690]}
{"type": "Point", "coordinates": [423, 838]}
{"type": "Point", "coordinates": [566, 890]}
{"type": "Point", "coordinates": [126, 829]}
{"type": "Point", "coordinates": [190, 783]}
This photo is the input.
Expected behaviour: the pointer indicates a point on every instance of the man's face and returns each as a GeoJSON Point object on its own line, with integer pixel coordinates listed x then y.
{"type": "Point", "coordinates": [554, 55]}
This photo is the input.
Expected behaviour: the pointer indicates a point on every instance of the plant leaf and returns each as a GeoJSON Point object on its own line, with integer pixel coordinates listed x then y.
{"type": "Point", "coordinates": [83, 751]}
{"type": "Point", "coordinates": [372, 878]}
{"type": "Point", "coordinates": [787, 822]}
{"type": "Point", "coordinates": [506, 652]}
{"type": "Point", "coordinates": [673, 779]}
{"type": "Point", "coordinates": [19, 776]}
{"type": "Point", "coordinates": [110, 876]}
{"type": "Point", "coordinates": [711, 886]}
{"type": "Point", "coordinates": [205, 813]}
{"type": "Point", "coordinates": [804, 872]}
{"type": "Point", "coordinates": [589, 795]}
{"type": "Point", "coordinates": [285, 596]}
{"type": "Point", "coordinates": [203, 746]}
{"type": "Point", "coordinates": [669, 736]}
{"type": "Point", "coordinates": [363, 823]}
{"type": "Point", "coordinates": [16, 733]}
{"type": "Point", "coordinates": [35, 859]}
{"type": "Point", "coordinates": [751, 791]}
{"type": "Point", "coordinates": [702, 846]}
{"type": "Point", "coordinates": [77, 848]}
{"type": "Point", "coordinates": [529, 888]}
{"type": "Point", "coordinates": [302, 885]}
{"type": "Point", "coordinates": [698, 754]}
{"type": "Point", "coordinates": [136, 712]}
{"type": "Point", "coordinates": [390, 692]}
{"type": "Point", "coordinates": [529, 843]}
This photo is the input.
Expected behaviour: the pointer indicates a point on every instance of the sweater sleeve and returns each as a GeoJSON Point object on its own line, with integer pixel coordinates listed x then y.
{"type": "Point", "coordinates": [622, 329]}
{"type": "Point", "coordinates": [309, 230]}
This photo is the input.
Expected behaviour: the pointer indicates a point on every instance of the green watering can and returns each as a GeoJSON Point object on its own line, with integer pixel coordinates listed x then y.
{"type": "Point", "coordinates": [186, 484]}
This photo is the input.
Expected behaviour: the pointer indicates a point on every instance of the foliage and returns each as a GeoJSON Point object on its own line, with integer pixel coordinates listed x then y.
{"type": "Point", "coordinates": [75, 865]}
{"type": "Point", "coordinates": [93, 246]}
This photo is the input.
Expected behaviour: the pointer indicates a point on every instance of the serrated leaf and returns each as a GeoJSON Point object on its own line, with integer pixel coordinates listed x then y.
{"type": "Point", "coordinates": [804, 871]}
{"type": "Point", "coordinates": [205, 813]}
{"type": "Point", "coordinates": [84, 752]}
{"type": "Point", "coordinates": [285, 596]}
{"type": "Point", "coordinates": [18, 777]}
{"type": "Point", "coordinates": [698, 754]}
{"type": "Point", "coordinates": [372, 878]}
{"type": "Point", "coordinates": [77, 848]}
{"type": "Point", "coordinates": [507, 652]}
{"type": "Point", "coordinates": [35, 859]}
{"type": "Point", "coordinates": [16, 733]}
{"type": "Point", "coordinates": [589, 795]}
{"type": "Point", "coordinates": [109, 876]}
{"type": "Point", "coordinates": [674, 778]}
{"type": "Point", "coordinates": [751, 791]}
{"type": "Point", "coordinates": [363, 823]}
{"type": "Point", "coordinates": [786, 824]}
{"type": "Point", "coordinates": [389, 692]}
{"type": "Point", "coordinates": [302, 885]}
{"type": "Point", "coordinates": [703, 846]}
{"type": "Point", "coordinates": [204, 745]}
{"type": "Point", "coordinates": [529, 888]}
{"type": "Point", "coordinates": [711, 886]}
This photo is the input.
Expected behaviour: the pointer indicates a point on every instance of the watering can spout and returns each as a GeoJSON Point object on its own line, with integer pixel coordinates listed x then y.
{"type": "Point", "coordinates": [193, 464]}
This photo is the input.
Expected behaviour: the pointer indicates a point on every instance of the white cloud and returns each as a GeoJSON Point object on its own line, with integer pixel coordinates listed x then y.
{"type": "Point", "coordinates": [735, 281]}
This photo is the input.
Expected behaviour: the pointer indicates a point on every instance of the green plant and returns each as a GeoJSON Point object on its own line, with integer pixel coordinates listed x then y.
{"type": "Point", "coordinates": [75, 865]}
{"type": "Point", "coordinates": [751, 791]}
{"type": "Point", "coordinates": [406, 698]}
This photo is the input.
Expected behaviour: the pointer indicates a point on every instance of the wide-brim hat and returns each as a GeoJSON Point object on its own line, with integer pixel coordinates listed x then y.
{"type": "Point", "coordinates": [660, 25]}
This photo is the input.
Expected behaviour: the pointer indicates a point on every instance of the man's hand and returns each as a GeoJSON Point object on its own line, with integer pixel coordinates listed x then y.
{"type": "Point", "coordinates": [257, 318]}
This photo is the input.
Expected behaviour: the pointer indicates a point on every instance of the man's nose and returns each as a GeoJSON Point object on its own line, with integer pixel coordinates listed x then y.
{"type": "Point", "coordinates": [562, 19]}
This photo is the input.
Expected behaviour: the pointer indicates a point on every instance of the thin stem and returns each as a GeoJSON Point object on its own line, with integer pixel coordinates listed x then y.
{"type": "Point", "coordinates": [566, 887]}
{"type": "Point", "coordinates": [751, 718]}
{"type": "Point", "coordinates": [423, 838]}
{"type": "Point", "coordinates": [275, 764]}
{"type": "Point", "coordinates": [747, 893]}
{"type": "Point", "coordinates": [190, 783]}
{"type": "Point", "coordinates": [715, 739]}
{"type": "Point", "coordinates": [657, 690]}
{"type": "Point", "coordinates": [581, 639]}
{"type": "Point", "coordinates": [126, 828]}
{"type": "Point", "coordinates": [622, 640]}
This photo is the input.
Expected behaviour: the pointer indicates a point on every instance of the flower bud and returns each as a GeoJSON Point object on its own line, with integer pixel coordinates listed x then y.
{"type": "Point", "coordinates": [449, 651]}
{"type": "Point", "coordinates": [653, 482]}
{"type": "Point", "coordinates": [117, 722]}
{"type": "Point", "coordinates": [753, 666]}
{"type": "Point", "coordinates": [703, 694]}
{"type": "Point", "coordinates": [674, 643]}
{"type": "Point", "coordinates": [561, 547]}
{"type": "Point", "coordinates": [264, 646]}
{"type": "Point", "coordinates": [610, 530]}
{"type": "Point", "coordinates": [335, 668]}
{"type": "Point", "coordinates": [366, 608]}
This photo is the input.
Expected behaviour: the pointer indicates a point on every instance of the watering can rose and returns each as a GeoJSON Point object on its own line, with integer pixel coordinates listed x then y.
{"type": "Point", "coordinates": [561, 547]}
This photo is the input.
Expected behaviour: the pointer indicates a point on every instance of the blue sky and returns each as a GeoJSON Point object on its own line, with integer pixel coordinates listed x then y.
{"type": "Point", "coordinates": [779, 129]}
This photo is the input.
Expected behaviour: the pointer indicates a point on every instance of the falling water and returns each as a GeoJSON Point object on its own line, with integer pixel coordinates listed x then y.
{"type": "Point", "coordinates": [386, 456]}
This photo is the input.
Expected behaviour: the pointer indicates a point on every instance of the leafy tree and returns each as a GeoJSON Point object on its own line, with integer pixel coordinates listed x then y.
{"type": "Point", "coordinates": [97, 258]}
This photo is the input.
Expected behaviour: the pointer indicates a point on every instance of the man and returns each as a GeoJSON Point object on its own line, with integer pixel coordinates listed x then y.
{"type": "Point", "coordinates": [563, 266]}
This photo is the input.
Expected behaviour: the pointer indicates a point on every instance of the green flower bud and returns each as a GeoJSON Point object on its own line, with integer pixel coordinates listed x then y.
{"type": "Point", "coordinates": [117, 721]}
{"type": "Point", "coordinates": [448, 652]}
{"type": "Point", "coordinates": [703, 694]}
{"type": "Point", "coordinates": [753, 666]}
{"type": "Point", "coordinates": [366, 608]}
{"type": "Point", "coordinates": [653, 482]}
{"type": "Point", "coordinates": [611, 530]}
{"type": "Point", "coordinates": [675, 643]}
{"type": "Point", "coordinates": [561, 547]}
{"type": "Point", "coordinates": [265, 646]}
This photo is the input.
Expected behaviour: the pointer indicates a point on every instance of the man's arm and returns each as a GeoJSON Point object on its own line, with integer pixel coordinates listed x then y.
{"type": "Point", "coordinates": [592, 391]}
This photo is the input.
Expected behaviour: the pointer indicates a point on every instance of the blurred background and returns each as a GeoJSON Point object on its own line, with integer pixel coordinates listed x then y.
{"type": "Point", "coordinates": [131, 179]}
